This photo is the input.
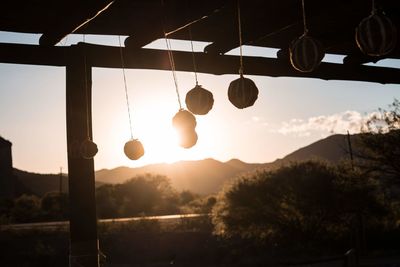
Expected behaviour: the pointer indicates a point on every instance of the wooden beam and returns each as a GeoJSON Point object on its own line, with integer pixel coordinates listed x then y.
{"type": "Point", "coordinates": [109, 57]}
{"type": "Point", "coordinates": [169, 18]}
{"type": "Point", "coordinates": [79, 17]}
{"type": "Point", "coordinates": [84, 251]}
{"type": "Point", "coordinates": [254, 24]}
{"type": "Point", "coordinates": [35, 54]}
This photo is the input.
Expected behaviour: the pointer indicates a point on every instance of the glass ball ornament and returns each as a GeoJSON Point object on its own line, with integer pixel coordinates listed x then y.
{"type": "Point", "coordinates": [199, 100]}
{"type": "Point", "coordinates": [133, 149]}
{"type": "Point", "coordinates": [242, 92]}
{"type": "Point", "coordinates": [187, 138]}
{"type": "Point", "coordinates": [306, 53]}
{"type": "Point", "coordinates": [376, 35]}
{"type": "Point", "coordinates": [88, 149]}
{"type": "Point", "coordinates": [184, 120]}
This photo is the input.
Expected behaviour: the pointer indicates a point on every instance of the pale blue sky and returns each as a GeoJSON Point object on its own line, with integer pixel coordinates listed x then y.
{"type": "Point", "coordinates": [290, 112]}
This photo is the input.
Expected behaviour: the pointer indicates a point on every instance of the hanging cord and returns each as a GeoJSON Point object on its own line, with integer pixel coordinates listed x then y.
{"type": "Point", "coordinates": [172, 63]}
{"type": "Point", "coordinates": [171, 59]}
{"type": "Point", "coordinates": [125, 85]}
{"type": "Point", "coordinates": [373, 7]}
{"type": "Point", "coordinates": [193, 56]}
{"type": "Point", "coordinates": [304, 18]}
{"type": "Point", "coordinates": [241, 69]}
{"type": "Point", "coordinates": [86, 90]}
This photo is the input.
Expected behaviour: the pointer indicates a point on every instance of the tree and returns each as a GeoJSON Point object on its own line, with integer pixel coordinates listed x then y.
{"type": "Point", "coordinates": [379, 146]}
{"type": "Point", "coordinates": [144, 194]}
{"type": "Point", "coordinates": [26, 209]}
{"type": "Point", "coordinates": [106, 201]}
{"type": "Point", "coordinates": [55, 206]}
{"type": "Point", "coordinates": [302, 202]}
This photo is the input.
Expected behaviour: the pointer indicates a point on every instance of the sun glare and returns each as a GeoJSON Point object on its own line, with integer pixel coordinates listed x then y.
{"type": "Point", "coordinates": [160, 139]}
{"type": "Point", "coordinates": [151, 116]}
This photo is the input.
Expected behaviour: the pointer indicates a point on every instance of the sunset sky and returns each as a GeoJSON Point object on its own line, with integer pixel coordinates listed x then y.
{"type": "Point", "coordinates": [289, 113]}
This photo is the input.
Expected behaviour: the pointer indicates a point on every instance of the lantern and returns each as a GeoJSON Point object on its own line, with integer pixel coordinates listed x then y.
{"type": "Point", "coordinates": [184, 120]}
{"type": "Point", "coordinates": [88, 149]}
{"type": "Point", "coordinates": [242, 92]}
{"type": "Point", "coordinates": [133, 149]}
{"type": "Point", "coordinates": [199, 100]}
{"type": "Point", "coordinates": [187, 138]}
{"type": "Point", "coordinates": [306, 53]}
{"type": "Point", "coordinates": [376, 35]}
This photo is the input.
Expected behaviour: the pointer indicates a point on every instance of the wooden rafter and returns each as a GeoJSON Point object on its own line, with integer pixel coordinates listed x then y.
{"type": "Point", "coordinates": [109, 57]}
{"type": "Point", "coordinates": [71, 24]}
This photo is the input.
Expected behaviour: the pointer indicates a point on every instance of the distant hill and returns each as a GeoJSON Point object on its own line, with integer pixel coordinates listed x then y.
{"type": "Point", "coordinates": [39, 184]}
{"type": "Point", "coordinates": [208, 175]}
{"type": "Point", "coordinates": [201, 176]}
{"type": "Point", "coordinates": [332, 149]}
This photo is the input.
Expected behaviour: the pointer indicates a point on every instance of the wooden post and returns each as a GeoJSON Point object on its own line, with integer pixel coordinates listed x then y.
{"type": "Point", "coordinates": [84, 250]}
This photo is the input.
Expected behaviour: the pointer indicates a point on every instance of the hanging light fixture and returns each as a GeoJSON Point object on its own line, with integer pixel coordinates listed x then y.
{"type": "Point", "coordinates": [133, 149]}
{"type": "Point", "coordinates": [376, 35]}
{"type": "Point", "coordinates": [242, 92]}
{"type": "Point", "coordinates": [184, 121]}
{"type": "Point", "coordinates": [306, 53]}
{"type": "Point", "coordinates": [198, 100]}
{"type": "Point", "coordinates": [88, 149]}
{"type": "Point", "coordinates": [188, 137]}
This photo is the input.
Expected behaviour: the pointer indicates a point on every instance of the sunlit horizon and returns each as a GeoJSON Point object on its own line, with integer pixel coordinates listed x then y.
{"type": "Point", "coordinates": [290, 113]}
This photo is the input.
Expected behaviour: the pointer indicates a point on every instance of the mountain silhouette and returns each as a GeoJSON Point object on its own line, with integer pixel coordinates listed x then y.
{"type": "Point", "coordinates": [39, 184]}
{"type": "Point", "coordinates": [200, 176]}
{"type": "Point", "coordinates": [332, 149]}
{"type": "Point", "coordinates": [209, 175]}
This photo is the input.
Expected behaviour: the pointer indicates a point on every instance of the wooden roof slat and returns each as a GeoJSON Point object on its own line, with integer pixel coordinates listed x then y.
{"type": "Point", "coordinates": [254, 24]}
{"type": "Point", "coordinates": [67, 25]}
{"type": "Point", "coordinates": [109, 57]}
{"type": "Point", "coordinates": [266, 23]}
{"type": "Point", "coordinates": [165, 20]}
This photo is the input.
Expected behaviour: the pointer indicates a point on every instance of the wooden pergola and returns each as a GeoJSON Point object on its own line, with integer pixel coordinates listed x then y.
{"type": "Point", "coordinates": [265, 23]}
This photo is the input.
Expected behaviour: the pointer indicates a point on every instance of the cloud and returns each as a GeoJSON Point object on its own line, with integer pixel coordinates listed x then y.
{"type": "Point", "coordinates": [349, 120]}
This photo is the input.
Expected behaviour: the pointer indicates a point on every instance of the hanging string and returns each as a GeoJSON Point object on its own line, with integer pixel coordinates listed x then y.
{"type": "Point", "coordinates": [373, 7]}
{"type": "Point", "coordinates": [304, 17]}
{"type": "Point", "coordinates": [171, 58]}
{"type": "Point", "coordinates": [86, 90]}
{"type": "Point", "coordinates": [172, 63]}
{"type": "Point", "coordinates": [193, 56]}
{"type": "Point", "coordinates": [241, 69]}
{"type": "Point", "coordinates": [125, 85]}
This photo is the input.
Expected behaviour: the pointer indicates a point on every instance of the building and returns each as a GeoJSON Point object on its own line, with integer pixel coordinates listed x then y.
{"type": "Point", "coordinates": [7, 178]}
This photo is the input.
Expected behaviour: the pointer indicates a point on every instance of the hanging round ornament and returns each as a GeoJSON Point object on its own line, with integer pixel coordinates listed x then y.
{"type": "Point", "coordinates": [306, 53]}
{"type": "Point", "coordinates": [376, 35]}
{"type": "Point", "coordinates": [242, 92]}
{"type": "Point", "coordinates": [133, 149]}
{"type": "Point", "coordinates": [183, 120]}
{"type": "Point", "coordinates": [88, 149]}
{"type": "Point", "coordinates": [187, 138]}
{"type": "Point", "coordinates": [199, 100]}
{"type": "Point", "coordinates": [184, 123]}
